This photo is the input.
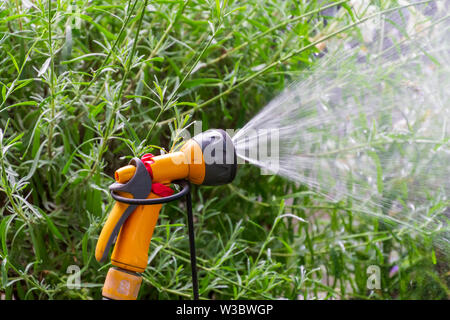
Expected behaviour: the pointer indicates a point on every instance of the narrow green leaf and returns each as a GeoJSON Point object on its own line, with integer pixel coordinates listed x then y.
{"type": "Point", "coordinates": [14, 61]}
{"type": "Point", "coordinates": [51, 225]}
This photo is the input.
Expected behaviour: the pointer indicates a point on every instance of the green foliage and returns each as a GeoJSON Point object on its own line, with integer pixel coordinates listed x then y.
{"type": "Point", "coordinates": [84, 88]}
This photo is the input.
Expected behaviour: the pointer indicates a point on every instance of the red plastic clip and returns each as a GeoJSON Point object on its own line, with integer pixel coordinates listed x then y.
{"type": "Point", "coordinates": [157, 188]}
{"type": "Point", "coordinates": [147, 159]}
{"type": "Point", "coordinates": [161, 190]}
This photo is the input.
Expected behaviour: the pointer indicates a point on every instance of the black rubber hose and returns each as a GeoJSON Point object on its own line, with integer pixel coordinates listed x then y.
{"type": "Point", "coordinates": [193, 254]}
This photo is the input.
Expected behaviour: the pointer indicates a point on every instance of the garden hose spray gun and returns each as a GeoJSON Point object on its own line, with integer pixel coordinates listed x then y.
{"type": "Point", "coordinates": [140, 190]}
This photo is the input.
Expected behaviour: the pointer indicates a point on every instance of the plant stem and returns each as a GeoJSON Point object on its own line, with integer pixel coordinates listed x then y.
{"type": "Point", "coordinates": [98, 72]}
{"type": "Point", "coordinates": [118, 97]}
{"type": "Point", "coordinates": [278, 26]}
{"type": "Point", "coordinates": [52, 82]}
{"type": "Point", "coordinates": [174, 92]}
{"type": "Point", "coordinates": [287, 57]}
{"type": "Point", "coordinates": [160, 42]}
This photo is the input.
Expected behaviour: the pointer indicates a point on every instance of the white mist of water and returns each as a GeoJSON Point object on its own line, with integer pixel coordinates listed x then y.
{"type": "Point", "coordinates": [370, 123]}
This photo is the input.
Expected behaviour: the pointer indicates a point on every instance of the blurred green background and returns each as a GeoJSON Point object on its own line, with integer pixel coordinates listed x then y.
{"type": "Point", "coordinates": [87, 85]}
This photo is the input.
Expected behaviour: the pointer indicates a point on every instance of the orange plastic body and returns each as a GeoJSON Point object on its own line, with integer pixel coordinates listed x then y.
{"type": "Point", "coordinates": [194, 157]}
{"type": "Point", "coordinates": [188, 163]}
{"type": "Point", "coordinates": [133, 241]}
{"type": "Point", "coordinates": [185, 164]}
{"type": "Point", "coordinates": [121, 285]}
{"type": "Point", "coordinates": [124, 174]}
{"type": "Point", "coordinates": [113, 218]}
{"type": "Point", "coordinates": [131, 248]}
{"type": "Point", "coordinates": [169, 167]}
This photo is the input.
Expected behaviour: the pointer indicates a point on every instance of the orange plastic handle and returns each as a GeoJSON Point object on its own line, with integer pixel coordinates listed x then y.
{"type": "Point", "coordinates": [131, 247]}
{"type": "Point", "coordinates": [105, 239]}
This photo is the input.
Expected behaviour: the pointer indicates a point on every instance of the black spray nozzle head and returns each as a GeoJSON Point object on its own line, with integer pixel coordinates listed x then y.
{"type": "Point", "coordinates": [219, 155]}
